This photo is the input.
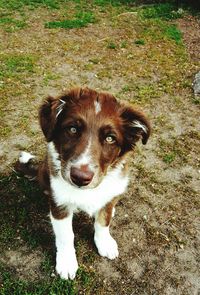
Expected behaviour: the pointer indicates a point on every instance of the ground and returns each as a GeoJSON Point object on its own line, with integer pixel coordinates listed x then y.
{"type": "Point", "coordinates": [147, 55]}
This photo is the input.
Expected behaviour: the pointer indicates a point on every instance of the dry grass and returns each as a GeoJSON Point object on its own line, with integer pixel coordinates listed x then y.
{"type": "Point", "coordinates": [146, 61]}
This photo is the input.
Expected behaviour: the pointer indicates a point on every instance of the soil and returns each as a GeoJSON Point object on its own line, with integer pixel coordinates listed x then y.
{"type": "Point", "coordinates": [156, 224]}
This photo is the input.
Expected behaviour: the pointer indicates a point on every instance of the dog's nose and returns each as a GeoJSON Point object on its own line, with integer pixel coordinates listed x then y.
{"type": "Point", "coordinates": [81, 176]}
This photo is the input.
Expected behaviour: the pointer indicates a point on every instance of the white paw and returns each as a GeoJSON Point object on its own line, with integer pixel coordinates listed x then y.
{"type": "Point", "coordinates": [25, 157]}
{"type": "Point", "coordinates": [107, 246]}
{"type": "Point", "coordinates": [66, 265]}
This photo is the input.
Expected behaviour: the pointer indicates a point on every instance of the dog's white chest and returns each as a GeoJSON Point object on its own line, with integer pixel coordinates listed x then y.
{"type": "Point", "coordinates": [88, 200]}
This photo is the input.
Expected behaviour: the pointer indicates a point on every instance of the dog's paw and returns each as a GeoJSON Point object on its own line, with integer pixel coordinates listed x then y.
{"type": "Point", "coordinates": [25, 157]}
{"type": "Point", "coordinates": [66, 265]}
{"type": "Point", "coordinates": [107, 246]}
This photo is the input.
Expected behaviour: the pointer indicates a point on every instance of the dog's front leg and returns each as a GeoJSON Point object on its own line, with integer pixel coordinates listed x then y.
{"type": "Point", "coordinates": [105, 243]}
{"type": "Point", "coordinates": [66, 262]}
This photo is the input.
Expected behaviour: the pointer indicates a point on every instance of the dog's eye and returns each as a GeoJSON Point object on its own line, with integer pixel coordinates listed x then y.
{"type": "Point", "coordinates": [73, 130]}
{"type": "Point", "coordinates": [110, 139]}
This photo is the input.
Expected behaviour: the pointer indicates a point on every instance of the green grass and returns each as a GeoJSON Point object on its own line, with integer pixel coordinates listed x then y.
{"type": "Point", "coordinates": [176, 151]}
{"type": "Point", "coordinates": [14, 64]}
{"type": "Point", "coordinates": [15, 212]}
{"type": "Point", "coordinates": [173, 33]}
{"type": "Point", "coordinates": [82, 19]}
{"type": "Point", "coordinates": [20, 4]}
{"type": "Point", "coordinates": [139, 42]}
{"type": "Point", "coordinates": [113, 2]}
{"type": "Point", "coordinates": [159, 30]}
{"type": "Point", "coordinates": [164, 11]}
{"type": "Point", "coordinates": [111, 45]}
{"type": "Point", "coordinates": [169, 158]}
{"type": "Point", "coordinates": [48, 77]}
{"type": "Point", "coordinates": [142, 93]}
{"type": "Point", "coordinates": [14, 286]}
{"type": "Point", "coordinates": [159, 52]}
{"type": "Point", "coordinates": [5, 131]}
{"type": "Point", "coordinates": [24, 221]}
{"type": "Point", "coordinates": [11, 24]}
{"type": "Point", "coordinates": [50, 286]}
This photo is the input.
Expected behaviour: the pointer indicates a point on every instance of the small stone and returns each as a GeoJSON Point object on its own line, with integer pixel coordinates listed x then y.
{"type": "Point", "coordinates": [196, 84]}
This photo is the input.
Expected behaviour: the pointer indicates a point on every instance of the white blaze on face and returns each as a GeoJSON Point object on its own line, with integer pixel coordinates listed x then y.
{"type": "Point", "coordinates": [97, 106]}
{"type": "Point", "coordinates": [85, 158]}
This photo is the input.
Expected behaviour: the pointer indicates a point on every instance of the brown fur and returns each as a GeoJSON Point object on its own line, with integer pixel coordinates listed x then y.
{"type": "Point", "coordinates": [114, 118]}
{"type": "Point", "coordinates": [105, 214]}
{"type": "Point", "coordinates": [58, 212]}
{"type": "Point", "coordinates": [79, 109]}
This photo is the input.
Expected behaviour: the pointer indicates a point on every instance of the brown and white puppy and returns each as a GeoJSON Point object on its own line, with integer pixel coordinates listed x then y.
{"type": "Point", "coordinates": [89, 137]}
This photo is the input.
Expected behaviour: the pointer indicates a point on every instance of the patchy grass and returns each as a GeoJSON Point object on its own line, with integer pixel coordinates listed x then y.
{"type": "Point", "coordinates": [11, 24]}
{"type": "Point", "coordinates": [5, 131]}
{"type": "Point", "coordinates": [164, 11]}
{"type": "Point", "coordinates": [111, 45]}
{"type": "Point", "coordinates": [169, 158]}
{"type": "Point", "coordinates": [52, 286]}
{"type": "Point", "coordinates": [139, 42]}
{"type": "Point", "coordinates": [137, 53]}
{"type": "Point", "coordinates": [22, 205]}
{"type": "Point", "coordinates": [173, 33]}
{"type": "Point", "coordinates": [14, 286]}
{"type": "Point", "coordinates": [81, 19]}
{"type": "Point", "coordinates": [13, 65]}
{"type": "Point", "coordinates": [160, 30]}
{"type": "Point", "coordinates": [18, 5]}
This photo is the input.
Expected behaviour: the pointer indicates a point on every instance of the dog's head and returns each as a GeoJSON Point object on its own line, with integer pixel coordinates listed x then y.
{"type": "Point", "coordinates": [91, 132]}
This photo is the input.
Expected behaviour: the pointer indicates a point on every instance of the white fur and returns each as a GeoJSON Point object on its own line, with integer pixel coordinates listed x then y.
{"type": "Point", "coordinates": [60, 107]}
{"type": "Point", "coordinates": [54, 155]}
{"type": "Point", "coordinates": [106, 245]}
{"type": "Point", "coordinates": [25, 157]}
{"type": "Point", "coordinates": [90, 200]}
{"type": "Point", "coordinates": [66, 262]}
{"type": "Point", "coordinates": [85, 158]}
{"type": "Point", "coordinates": [138, 124]}
{"type": "Point", "coordinates": [113, 211]}
{"type": "Point", "coordinates": [97, 106]}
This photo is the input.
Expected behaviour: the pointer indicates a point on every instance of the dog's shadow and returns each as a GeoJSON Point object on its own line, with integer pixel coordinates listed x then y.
{"type": "Point", "coordinates": [24, 216]}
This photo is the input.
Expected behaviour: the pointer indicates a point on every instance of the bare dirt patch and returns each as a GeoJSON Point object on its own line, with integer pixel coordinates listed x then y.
{"type": "Point", "coordinates": [26, 263]}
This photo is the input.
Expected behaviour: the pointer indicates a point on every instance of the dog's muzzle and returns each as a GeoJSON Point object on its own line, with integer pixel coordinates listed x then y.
{"type": "Point", "coordinates": [81, 176]}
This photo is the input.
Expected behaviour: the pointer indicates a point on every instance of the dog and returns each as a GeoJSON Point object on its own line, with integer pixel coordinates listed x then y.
{"type": "Point", "coordinates": [90, 137]}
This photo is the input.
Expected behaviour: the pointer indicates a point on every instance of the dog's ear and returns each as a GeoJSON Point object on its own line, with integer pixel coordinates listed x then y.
{"type": "Point", "coordinates": [51, 110]}
{"type": "Point", "coordinates": [135, 126]}
{"type": "Point", "coordinates": [48, 114]}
